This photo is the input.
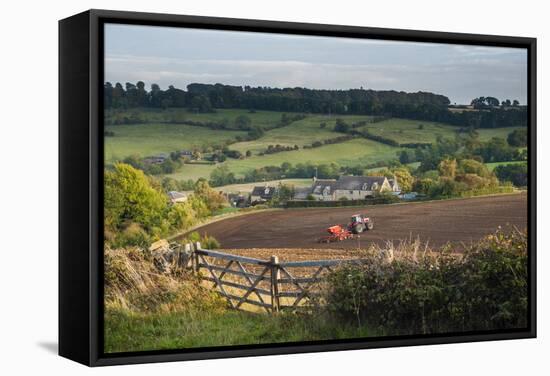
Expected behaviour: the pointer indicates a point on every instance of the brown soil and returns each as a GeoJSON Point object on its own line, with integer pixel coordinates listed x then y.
{"type": "Point", "coordinates": [457, 221]}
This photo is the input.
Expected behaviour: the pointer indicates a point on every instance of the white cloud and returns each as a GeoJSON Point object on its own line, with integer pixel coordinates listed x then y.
{"type": "Point", "coordinates": [458, 71]}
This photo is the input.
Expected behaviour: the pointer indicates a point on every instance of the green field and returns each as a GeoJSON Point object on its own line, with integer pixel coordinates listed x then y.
{"type": "Point", "coordinates": [303, 132]}
{"type": "Point", "coordinates": [492, 166]}
{"type": "Point", "coordinates": [129, 331]}
{"type": "Point", "coordinates": [150, 139]}
{"type": "Point", "coordinates": [247, 187]}
{"type": "Point", "coordinates": [405, 130]}
{"type": "Point", "coordinates": [264, 119]}
{"type": "Point", "coordinates": [487, 134]}
{"type": "Point", "coordinates": [349, 153]}
{"type": "Point", "coordinates": [157, 137]}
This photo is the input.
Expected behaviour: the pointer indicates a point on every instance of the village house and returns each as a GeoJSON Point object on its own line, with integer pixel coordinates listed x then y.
{"type": "Point", "coordinates": [262, 194]}
{"type": "Point", "coordinates": [177, 197]}
{"type": "Point", "coordinates": [352, 187]}
{"type": "Point", "coordinates": [394, 186]}
{"type": "Point", "coordinates": [155, 159]}
{"type": "Point", "coordinates": [323, 189]}
{"type": "Point", "coordinates": [185, 153]}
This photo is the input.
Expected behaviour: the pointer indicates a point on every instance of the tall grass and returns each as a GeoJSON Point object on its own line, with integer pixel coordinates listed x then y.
{"type": "Point", "coordinates": [148, 310]}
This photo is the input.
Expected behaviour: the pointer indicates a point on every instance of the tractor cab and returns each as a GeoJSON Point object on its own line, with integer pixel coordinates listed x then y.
{"type": "Point", "coordinates": [360, 223]}
{"type": "Point", "coordinates": [357, 218]}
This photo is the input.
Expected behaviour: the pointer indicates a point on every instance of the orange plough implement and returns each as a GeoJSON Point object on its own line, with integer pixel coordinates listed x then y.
{"type": "Point", "coordinates": [336, 233]}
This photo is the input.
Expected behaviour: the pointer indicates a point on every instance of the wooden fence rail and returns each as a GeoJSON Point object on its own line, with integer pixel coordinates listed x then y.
{"type": "Point", "coordinates": [269, 284]}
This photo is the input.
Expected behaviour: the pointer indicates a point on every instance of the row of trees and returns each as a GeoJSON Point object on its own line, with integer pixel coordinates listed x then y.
{"type": "Point", "coordinates": [223, 176]}
{"type": "Point", "coordinates": [206, 97]}
{"type": "Point", "coordinates": [485, 102]}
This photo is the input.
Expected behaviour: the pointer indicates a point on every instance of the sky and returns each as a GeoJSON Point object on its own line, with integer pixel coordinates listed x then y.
{"type": "Point", "coordinates": [180, 56]}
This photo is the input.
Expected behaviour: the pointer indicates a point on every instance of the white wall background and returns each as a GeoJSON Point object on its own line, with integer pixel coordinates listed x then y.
{"type": "Point", "coordinates": [28, 209]}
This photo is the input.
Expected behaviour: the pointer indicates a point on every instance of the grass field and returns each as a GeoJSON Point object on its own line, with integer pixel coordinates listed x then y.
{"type": "Point", "coordinates": [149, 139]}
{"type": "Point", "coordinates": [247, 187]}
{"type": "Point", "coordinates": [156, 137]}
{"type": "Point", "coordinates": [130, 331]}
{"type": "Point", "coordinates": [303, 132]}
{"type": "Point", "coordinates": [264, 119]}
{"type": "Point", "coordinates": [492, 166]}
{"type": "Point", "coordinates": [349, 153]}
{"type": "Point", "coordinates": [405, 130]}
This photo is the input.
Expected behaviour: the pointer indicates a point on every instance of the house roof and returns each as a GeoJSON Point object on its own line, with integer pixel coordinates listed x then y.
{"type": "Point", "coordinates": [263, 192]}
{"type": "Point", "coordinates": [301, 193]}
{"type": "Point", "coordinates": [359, 183]}
{"type": "Point", "coordinates": [174, 195]}
{"type": "Point", "coordinates": [320, 185]}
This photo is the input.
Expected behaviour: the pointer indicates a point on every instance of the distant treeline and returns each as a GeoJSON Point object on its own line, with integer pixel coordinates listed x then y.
{"type": "Point", "coordinates": [206, 97]}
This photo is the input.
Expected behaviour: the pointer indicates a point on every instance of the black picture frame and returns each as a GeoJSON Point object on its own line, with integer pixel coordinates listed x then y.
{"type": "Point", "coordinates": [80, 184]}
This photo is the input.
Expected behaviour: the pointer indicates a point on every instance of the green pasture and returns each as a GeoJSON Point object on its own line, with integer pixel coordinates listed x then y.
{"type": "Point", "coordinates": [150, 139]}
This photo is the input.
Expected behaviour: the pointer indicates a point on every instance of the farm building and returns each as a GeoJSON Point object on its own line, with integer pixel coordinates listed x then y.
{"type": "Point", "coordinates": [176, 197]}
{"type": "Point", "coordinates": [155, 159]}
{"type": "Point", "coordinates": [184, 153]}
{"type": "Point", "coordinates": [262, 194]}
{"type": "Point", "coordinates": [352, 187]}
{"type": "Point", "coordinates": [237, 200]}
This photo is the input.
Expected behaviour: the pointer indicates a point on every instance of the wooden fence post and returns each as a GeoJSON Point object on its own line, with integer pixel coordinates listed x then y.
{"type": "Point", "coordinates": [186, 259]}
{"type": "Point", "coordinates": [275, 306]}
{"type": "Point", "coordinates": [196, 257]}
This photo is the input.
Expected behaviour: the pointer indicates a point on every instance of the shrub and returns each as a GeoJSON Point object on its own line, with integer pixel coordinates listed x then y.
{"type": "Point", "coordinates": [378, 138]}
{"type": "Point", "coordinates": [517, 138]}
{"type": "Point", "coordinates": [514, 173]}
{"type": "Point", "coordinates": [132, 235]}
{"type": "Point", "coordinates": [207, 242]}
{"type": "Point", "coordinates": [341, 126]}
{"type": "Point", "coordinates": [411, 290]}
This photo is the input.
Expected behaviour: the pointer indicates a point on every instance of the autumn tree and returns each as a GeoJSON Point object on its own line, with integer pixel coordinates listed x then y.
{"type": "Point", "coordinates": [447, 168]}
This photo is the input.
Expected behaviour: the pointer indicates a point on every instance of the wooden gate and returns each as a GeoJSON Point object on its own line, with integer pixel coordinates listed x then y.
{"type": "Point", "coordinates": [269, 284]}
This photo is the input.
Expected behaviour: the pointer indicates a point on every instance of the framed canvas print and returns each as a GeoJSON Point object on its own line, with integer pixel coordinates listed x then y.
{"type": "Point", "coordinates": [236, 187]}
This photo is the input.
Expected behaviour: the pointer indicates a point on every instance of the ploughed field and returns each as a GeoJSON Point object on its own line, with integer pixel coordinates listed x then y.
{"type": "Point", "coordinates": [459, 221]}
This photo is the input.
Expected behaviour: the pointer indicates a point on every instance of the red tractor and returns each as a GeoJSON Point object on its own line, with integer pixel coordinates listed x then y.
{"type": "Point", "coordinates": [360, 223]}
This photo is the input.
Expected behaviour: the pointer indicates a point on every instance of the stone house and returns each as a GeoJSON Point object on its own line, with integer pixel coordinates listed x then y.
{"type": "Point", "coordinates": [352, 187]}
{"type": "Point", "coordinates": [262, 194]}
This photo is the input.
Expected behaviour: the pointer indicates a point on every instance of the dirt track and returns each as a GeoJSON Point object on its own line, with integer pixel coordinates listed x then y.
{"type": "Point", "coordinates": [438, 222]}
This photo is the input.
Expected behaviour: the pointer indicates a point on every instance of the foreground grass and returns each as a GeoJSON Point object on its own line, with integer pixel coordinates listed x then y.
{"type": "Point", "coordinates": [130, 331]}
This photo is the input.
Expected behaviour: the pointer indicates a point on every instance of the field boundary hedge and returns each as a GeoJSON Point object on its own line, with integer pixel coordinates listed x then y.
{"type": "Point", "coordinates": [343, 203]}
